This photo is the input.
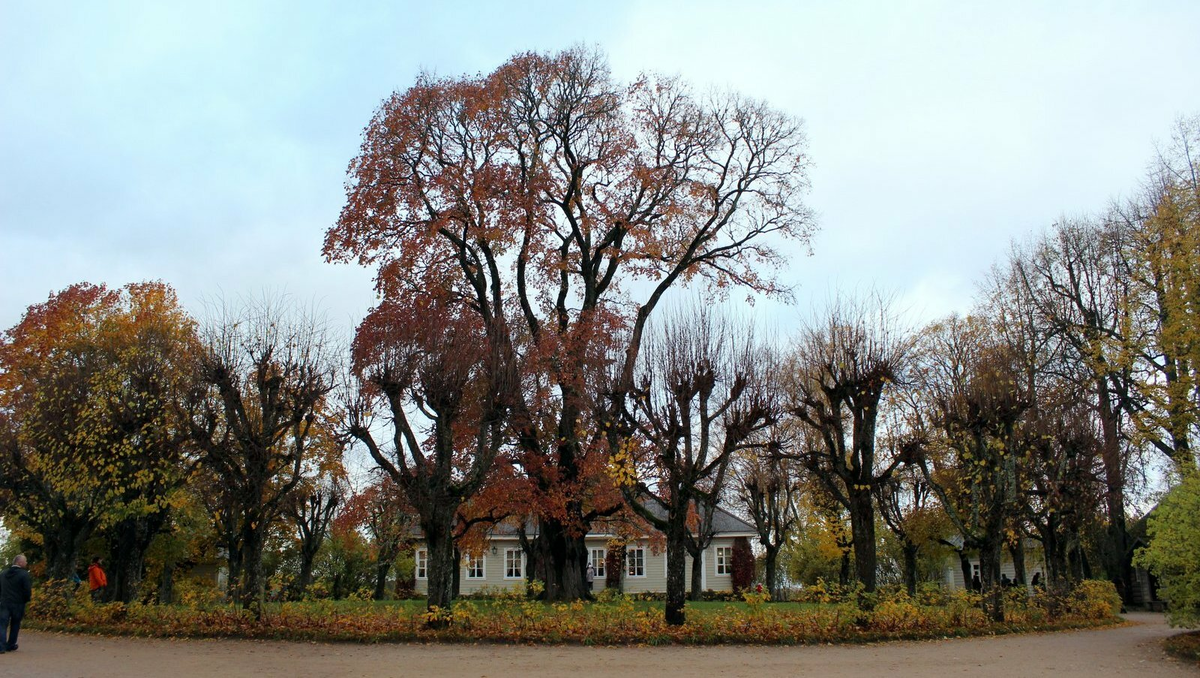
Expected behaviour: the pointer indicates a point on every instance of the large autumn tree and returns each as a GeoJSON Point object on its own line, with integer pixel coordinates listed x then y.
{"type": "Point", "coordinates": [1163, 257]}
{"type": "Point", "coordinates": [92, 386]}
{"type": "Point", "coordinates": [562, 205]}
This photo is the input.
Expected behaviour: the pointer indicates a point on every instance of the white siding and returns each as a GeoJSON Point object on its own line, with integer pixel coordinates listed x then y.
{"type": "Point", "coordinates": [655, 579]}
{"type": "Point", "coordinates": [1033, 563]}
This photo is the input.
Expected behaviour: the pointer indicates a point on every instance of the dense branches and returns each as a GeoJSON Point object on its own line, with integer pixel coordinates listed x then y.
{"type": "Point", "coordinates": [538, 192]}
{"type": "Point", "coordinates": [91, 390]}
{"type": "Point", "coordinates": [705, 396]}
{"type": "Point", "coordinates": [446, 387]}
{"type": "Point", "coordinates": [843, 365]}
{"type": "Point", "coordinates": [266, 371]}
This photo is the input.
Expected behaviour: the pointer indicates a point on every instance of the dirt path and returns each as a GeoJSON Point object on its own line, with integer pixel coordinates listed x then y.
{"type": "Point", "coordinates": [1131, 650]}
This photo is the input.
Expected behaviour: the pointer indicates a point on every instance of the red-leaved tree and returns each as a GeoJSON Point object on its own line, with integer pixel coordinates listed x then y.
{"type": "Point", "coordinates": [540, 193]}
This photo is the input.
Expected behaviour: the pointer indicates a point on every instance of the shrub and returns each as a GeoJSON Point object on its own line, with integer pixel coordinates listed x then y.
{"type": "Point", "coordinates": [610, 595]}
{"type": "Point", "coordinates": [522, 590]}
{"type": "Point", "coordinates": [932, 593]}
{"type": "Point", "coordinates": [619, 621]}
{"type": "Point", "coordinates": [826, 593]}
{"type": "Point", "coordinates": [1095, 599]}
{"type": "Point", "coordinates": [1174, 551]}
{"type": "Point", "coordinates": [743, 564]}
{"type": "Point", "coordinates": [719, 596]}
{"type": "Point", "coordinates": [1186, 646]}
{"type": "Point", "coordinates": [756, 598]}
{"type": "Point", "coordinates": [197, 593]}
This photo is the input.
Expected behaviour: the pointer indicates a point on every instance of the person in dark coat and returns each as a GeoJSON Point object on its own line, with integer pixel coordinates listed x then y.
{"type": "Point", "coordinates": [976, 585]}
{"type": "Point", "coordinates": [16, 589]}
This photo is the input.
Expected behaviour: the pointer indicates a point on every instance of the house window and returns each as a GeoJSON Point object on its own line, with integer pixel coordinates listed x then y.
{"type": "Point", "coordinates": [474, 567]}
{"type": "Point", "coordinates": [636, 558]}
{"type": "Point", "coordinates": [598, 562]}
{"type": "Point", "coordinates": [724, 560]}
{"type": "Point", "coordinates": [513, 563]}
{"type": "Point", "coordinates": [422, 564]}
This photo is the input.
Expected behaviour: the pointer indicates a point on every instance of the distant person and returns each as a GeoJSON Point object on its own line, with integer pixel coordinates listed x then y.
{"type": "Point", "coordinates": [976, 585]}
{"type": "Point", "coordinates": [1036, 582]}
{"type": "Point", "coordinates": [97, 580]}
{"type": "Point", "coordinates": [1005, 582]}
{"type": "Point", "coordinates": [15, 590]}
{"type": "Point", "coordinates": [589, 576]}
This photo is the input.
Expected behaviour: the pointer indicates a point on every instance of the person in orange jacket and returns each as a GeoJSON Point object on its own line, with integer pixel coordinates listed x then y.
{"type": "Point", "coordinates": [97, 580]}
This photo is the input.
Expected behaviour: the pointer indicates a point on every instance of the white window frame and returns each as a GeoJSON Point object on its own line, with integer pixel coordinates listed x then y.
{"type": "Point", "coordinates": [598, 563]}
{"type": "Point", "coordinates": [630, 568]}
{"type": "Point", "coordinates": [508, 563]}
{"type": "Point", "coordinates": [421, 564]}
{"type": "Point", "coordinates": [481, 561]}
{"type": "Point", "coordinates": [724, 561]}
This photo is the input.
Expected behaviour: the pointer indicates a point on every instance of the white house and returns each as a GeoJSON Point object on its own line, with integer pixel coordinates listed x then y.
{"type": "Point", "coordinates": [952, 575]}
{"type": "Point", "coordinates": [503, 563]}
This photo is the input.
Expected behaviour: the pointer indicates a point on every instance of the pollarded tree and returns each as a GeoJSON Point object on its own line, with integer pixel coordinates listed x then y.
{"type": "Point", "coordinates": [310, 510]}
{"type": "Point", "coordinates": [967, 420]}
{"type": "Point", "coordinates": [705, 396]}
{"type": "Point", "coordinates": [908, 508]}
{"type": "Point", "coordinates": [92, 386]}
{"type": "Point", "coordinates": [769, 488]}
{"type": "Point", "coordinates": [445, 386]}
{"type": "Point", "coordinates": [843, 367]}
{"type": "Point", "coordinates": [540, 192]}
{"type": "Point", "coordinates": [266, 370]}
{"type": "Point", "coordinates": [1064, 486]}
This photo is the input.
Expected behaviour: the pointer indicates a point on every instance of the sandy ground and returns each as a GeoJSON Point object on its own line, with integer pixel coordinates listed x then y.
{"type": "Point", "coordinates": [1130, 650]}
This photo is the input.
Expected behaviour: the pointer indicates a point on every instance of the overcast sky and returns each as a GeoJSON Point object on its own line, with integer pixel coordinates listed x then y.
{"type": "Point", "coordinates": [206, 146]}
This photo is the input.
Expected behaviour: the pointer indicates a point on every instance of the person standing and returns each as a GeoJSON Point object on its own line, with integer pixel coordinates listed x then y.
{"type": "Point", "coordinates": [97, 580]}
{"type": "Point", "coordinates": [589, 576]}
{"type": "Point", "coordinates": [16, 589]}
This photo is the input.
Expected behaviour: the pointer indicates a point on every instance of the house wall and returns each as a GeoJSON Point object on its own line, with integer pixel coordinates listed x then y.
{"type": "Point", "coordinates": [953, 577]}
{"type": "Point", "coordinates": [493, 569]}
{"type": "Point", "coordinates": [655, 578]}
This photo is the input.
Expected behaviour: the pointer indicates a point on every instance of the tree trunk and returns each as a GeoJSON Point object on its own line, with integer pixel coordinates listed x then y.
{"type": "Point", "coordinates": [62, 545]}
{"type": "Point", "coordinates": [910, 567]}
{"type": "Point", "coordinates": [128, 542]}
{"type": "Point", "coordinates": [304, 579]}
{"type": "Point", "coordinates": [1017, 551]}
{"type": "Point", "coordinates": [382, 568]}
{"type": "Point", "coordinates": [442, 564]}
{"type": "Point", "coordinates": [697, 575]}
{"type": "Point", "coordinates": [166, 584]}
{"type": "Point", "coordinates": [564, 557]}
{"type": "Point", "coordinates": [676, 557]}
{"type": "Point", "coordinates": [989, 576]}
{"type": "Point", "coordinates": [250, 588]}
{"type": "Point", "coordinates": [1118, 555]}
{"type": "Point", "coordinates": [862, 527]}
{"type": "Point", "coordinates": [964, 563]}
{"type": "Point", "coordinates": [771, 571]}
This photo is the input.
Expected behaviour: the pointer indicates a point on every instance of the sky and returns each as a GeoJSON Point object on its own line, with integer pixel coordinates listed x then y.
{"type": "Point", "coordinates": [206, 144]}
